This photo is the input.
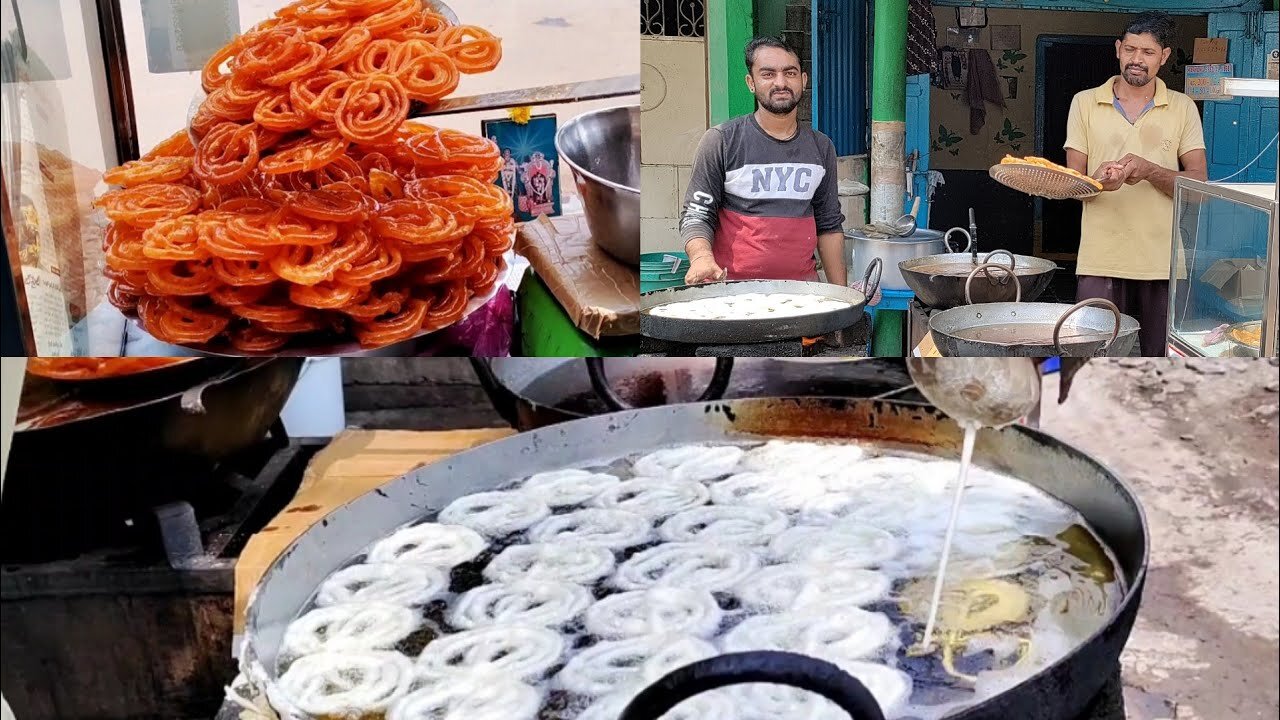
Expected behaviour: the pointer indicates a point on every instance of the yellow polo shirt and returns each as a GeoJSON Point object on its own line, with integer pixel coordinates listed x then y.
{"type": "Point", "coordinates": [1128, 233]}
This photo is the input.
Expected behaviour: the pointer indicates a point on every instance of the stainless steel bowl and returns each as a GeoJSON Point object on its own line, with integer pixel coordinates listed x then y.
{"type": "Point", "coordinates": [602, 148]}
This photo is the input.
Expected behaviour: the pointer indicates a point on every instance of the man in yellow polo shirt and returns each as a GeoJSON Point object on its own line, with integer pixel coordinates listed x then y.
{"type": "Point", "coordinates": [1135, 136]}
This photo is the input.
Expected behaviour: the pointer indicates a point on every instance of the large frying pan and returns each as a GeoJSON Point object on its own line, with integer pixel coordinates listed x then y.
{"type": "Point", "coordinates": [1059, 692]}
{"type": "Point", "coordinates": [706, 332]}
{"type": "Point", "coordinates": [939, 280]}
{"type": "Point", "coordinates": [1090, 328]}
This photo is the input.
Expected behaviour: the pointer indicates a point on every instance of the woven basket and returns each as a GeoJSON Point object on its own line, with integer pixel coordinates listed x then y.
{"type": "Point", "coordinates": [1043, 182]}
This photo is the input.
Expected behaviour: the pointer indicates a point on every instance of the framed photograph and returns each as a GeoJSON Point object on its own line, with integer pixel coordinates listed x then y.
{"type": "Point", "coordinates": [972, 17]}
{"type": "Point", "coordinates": [530, 166]}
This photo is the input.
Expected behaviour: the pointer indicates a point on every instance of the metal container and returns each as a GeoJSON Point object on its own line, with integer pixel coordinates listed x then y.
{"type": "Point", "coordinates": [893, 250]}
{"type": "Point", "coordinates": [602, 148]}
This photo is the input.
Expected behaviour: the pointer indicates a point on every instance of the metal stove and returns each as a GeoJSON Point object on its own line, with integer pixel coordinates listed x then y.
{"type": "Point", "coordinates": [118, 592]}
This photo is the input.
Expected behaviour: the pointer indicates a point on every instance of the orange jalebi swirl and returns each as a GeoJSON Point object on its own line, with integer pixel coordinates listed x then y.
{"type": "Point", "coordinates": [235, 295]}
{"type": "Point", "coordinates": [253, 339]}
{"type": "Point", "coordinates": [374, 304]}
{"type": "Point", "coordinates": [145, 205]}
{"type": "Point", "coordinates": [227, 154]}
{"type": "Point", "coordinates": [309, 265]}
{"type": "Point", "coordinates": [156, 170]}
{"type": "Point", "coordinates": [245, 273]}
{"type": "Point", "coordinates": [174, 320]}
{"type": "Point", "coordinates": [473, 49]}
{"type": "Point", "coordinates": [302, 201]}
{"type": "Point", "coordinates": [372, 109]}
{"type": "Point", "coordinates": [449, 151]}
{"type": "Point", "coordinates": [176, 239]}
{"type": "Point", "coordinates": [176, 145]}
{"type": "Point", "coordinates": [324, 295]}
{"type": "Point", "coordinates": [392, 329]}
{"type": "Point", "coordinates": [302, 155]}
{"type": "Point", "coordinates": [448, 305]}
{"type": "Point", "coordinates": [418, 222]}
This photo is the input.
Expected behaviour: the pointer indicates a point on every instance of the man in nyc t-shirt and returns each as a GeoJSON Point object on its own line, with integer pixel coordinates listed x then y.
{"type": "Point", "coordinates": [763, 194]}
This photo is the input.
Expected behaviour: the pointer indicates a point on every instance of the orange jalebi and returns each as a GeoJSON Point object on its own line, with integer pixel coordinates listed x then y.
{"type": "Point", "coordinates": [303, 200]}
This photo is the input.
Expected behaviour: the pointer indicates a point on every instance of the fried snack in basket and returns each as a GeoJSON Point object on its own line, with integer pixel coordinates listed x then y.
{"type": "Point", "coordinates": [1049, 165]}
{"type": "Point", "coordinates": [308, 202]}
{"type": "Point", "coordinates": [1247, 335]}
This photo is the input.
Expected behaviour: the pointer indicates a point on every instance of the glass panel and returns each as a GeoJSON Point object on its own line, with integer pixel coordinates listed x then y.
{"type": "Point", "coordinates": [1220, 289]}
{"type": "Point", "coordinates": [56, 124]}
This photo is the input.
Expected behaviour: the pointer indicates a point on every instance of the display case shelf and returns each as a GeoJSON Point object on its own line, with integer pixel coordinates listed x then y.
{"type": "Point", "coordinates": [1223, 271]}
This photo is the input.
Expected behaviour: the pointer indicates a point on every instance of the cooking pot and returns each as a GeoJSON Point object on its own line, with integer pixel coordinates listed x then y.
{"type": "Point", "coordinates": [1059, 691]}
{"type": "Point", "coordinates": [893, 250]}
{"type": "Point", "coordinates": [602, 149]}
{"type": "Point", "coordinates": [534, 392]}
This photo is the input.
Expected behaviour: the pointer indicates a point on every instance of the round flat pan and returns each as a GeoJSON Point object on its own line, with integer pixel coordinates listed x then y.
{"type": "Point", "coordinates": [1059, 691]}
{"type": "Point", "coordinates": [1023, 329]}
{"type": "Point", "coordinates": [705, 332]}
{"type": "Point", "coordinates": [944, 290]}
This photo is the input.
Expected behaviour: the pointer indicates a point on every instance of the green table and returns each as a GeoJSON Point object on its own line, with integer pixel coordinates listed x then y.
{"type": "Point", "coordinates": [547, 331]}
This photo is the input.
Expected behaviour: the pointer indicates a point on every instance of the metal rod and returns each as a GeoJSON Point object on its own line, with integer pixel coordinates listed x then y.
{"type": "Point", "coordinates": [532, 97]}
{"type": "Point", "coordinates": [119, 83]}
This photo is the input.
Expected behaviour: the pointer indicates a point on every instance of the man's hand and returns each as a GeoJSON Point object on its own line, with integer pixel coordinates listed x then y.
{"type": "Point", "coordinates": [1112, 175]}
{"type": "Point", "coordinates": [1137, 168]}
{"type": "Point", "coordinates": [703, 268]}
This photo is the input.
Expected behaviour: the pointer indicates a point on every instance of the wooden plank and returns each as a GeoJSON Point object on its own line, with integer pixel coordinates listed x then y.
{"type": "Point", "coordinates": [354, 463]}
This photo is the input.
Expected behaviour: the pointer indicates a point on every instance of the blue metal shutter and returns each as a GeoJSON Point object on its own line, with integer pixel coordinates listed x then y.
{"type": "Point", "coordinates": [838, 77]}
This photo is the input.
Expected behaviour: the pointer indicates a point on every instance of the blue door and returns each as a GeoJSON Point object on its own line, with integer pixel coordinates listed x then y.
{"type": "Point", "coordinates": [1237, 130]}
{"type": "Point", "coordinates": [838, 77]}
{"type": "Point", "coordinates": [918, 141]}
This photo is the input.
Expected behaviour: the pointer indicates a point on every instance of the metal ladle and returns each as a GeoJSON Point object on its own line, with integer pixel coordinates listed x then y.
{"type": "Point", "coordinates": [901, 227]}
{"type": "Point", "coordinates": [986, 391]}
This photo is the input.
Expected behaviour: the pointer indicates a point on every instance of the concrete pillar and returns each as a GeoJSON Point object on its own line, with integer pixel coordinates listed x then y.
{"type": "Point", "coordinates": [888, 110]}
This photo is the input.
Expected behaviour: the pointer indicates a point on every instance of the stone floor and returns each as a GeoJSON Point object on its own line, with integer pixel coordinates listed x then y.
{"type": "Point", "coordinates": [1197, 441]}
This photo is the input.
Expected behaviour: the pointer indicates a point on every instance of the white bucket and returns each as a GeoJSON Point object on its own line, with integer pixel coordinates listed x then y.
{"type": "Point", "coordinates": [316, 407]}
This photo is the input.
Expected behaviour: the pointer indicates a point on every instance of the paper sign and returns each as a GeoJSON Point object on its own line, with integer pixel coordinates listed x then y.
{"type": "Point", "coordinates": [1209, 51]}
{"type": "Point", "coordinates": [1204, 82]}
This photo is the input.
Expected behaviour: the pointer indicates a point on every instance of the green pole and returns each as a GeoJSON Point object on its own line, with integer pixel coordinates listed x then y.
{"type": "Point", "coordinates": [888, 109]}
{"type": "Point", "coordinates": [889, 62]}
{"type": "Point", "coordinates": [729, 29]}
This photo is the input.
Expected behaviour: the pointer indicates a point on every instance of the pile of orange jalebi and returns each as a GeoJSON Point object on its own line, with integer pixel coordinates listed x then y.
{"type": "Point", "coordinates": [309, 203]}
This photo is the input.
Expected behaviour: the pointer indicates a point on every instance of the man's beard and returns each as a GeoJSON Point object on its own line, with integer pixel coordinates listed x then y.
{"type": "Point", "coordinates": [780, 106]}
{"type": "Point", "coordinates": [1141, 81]}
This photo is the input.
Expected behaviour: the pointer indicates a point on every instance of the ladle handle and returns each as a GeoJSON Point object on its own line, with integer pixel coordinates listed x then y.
{"type": "Point", "coordinates": [1013, 261]}
{"type": "Point", "coordinates": [869, 288]}
{"type": "Point", "coordinates": [1097, 302]}
{"type": "Point", "coordinates": [760, 666]}
{"type": "Point", "coordinates": [946, 239]}
{"type": "Point", "coordinates": [968, 283]}
{"type": "Point", "coordinates": [600, 383]}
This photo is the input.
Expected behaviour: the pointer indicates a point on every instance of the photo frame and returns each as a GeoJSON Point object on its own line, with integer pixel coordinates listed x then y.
{"type": "Point", "coordinates": [971, 17]}
{"type": "Point", "coordinates": [531, 167]}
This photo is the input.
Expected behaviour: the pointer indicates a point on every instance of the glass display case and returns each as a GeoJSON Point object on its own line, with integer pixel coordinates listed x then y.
{"type": "Point", "coordinates": [90, 85]}
{"type": "Point", "coordinates": [1224, 291]}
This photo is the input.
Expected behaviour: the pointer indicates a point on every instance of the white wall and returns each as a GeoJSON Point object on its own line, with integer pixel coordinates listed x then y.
{"type": "Point", "coordinates": [674, 118]}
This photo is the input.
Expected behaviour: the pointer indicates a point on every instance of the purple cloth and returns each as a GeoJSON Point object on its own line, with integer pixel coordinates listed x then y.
{"type": "Point", "coordinates": [487, 332]}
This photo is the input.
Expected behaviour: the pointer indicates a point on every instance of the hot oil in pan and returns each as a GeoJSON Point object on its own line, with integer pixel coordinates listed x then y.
{"type": "Point", "coordinates": [963, 270]}
{"type": "Point", "coordinates": [1027, 334]}
{"type": "Point", "coordinates": [1028, 581]}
